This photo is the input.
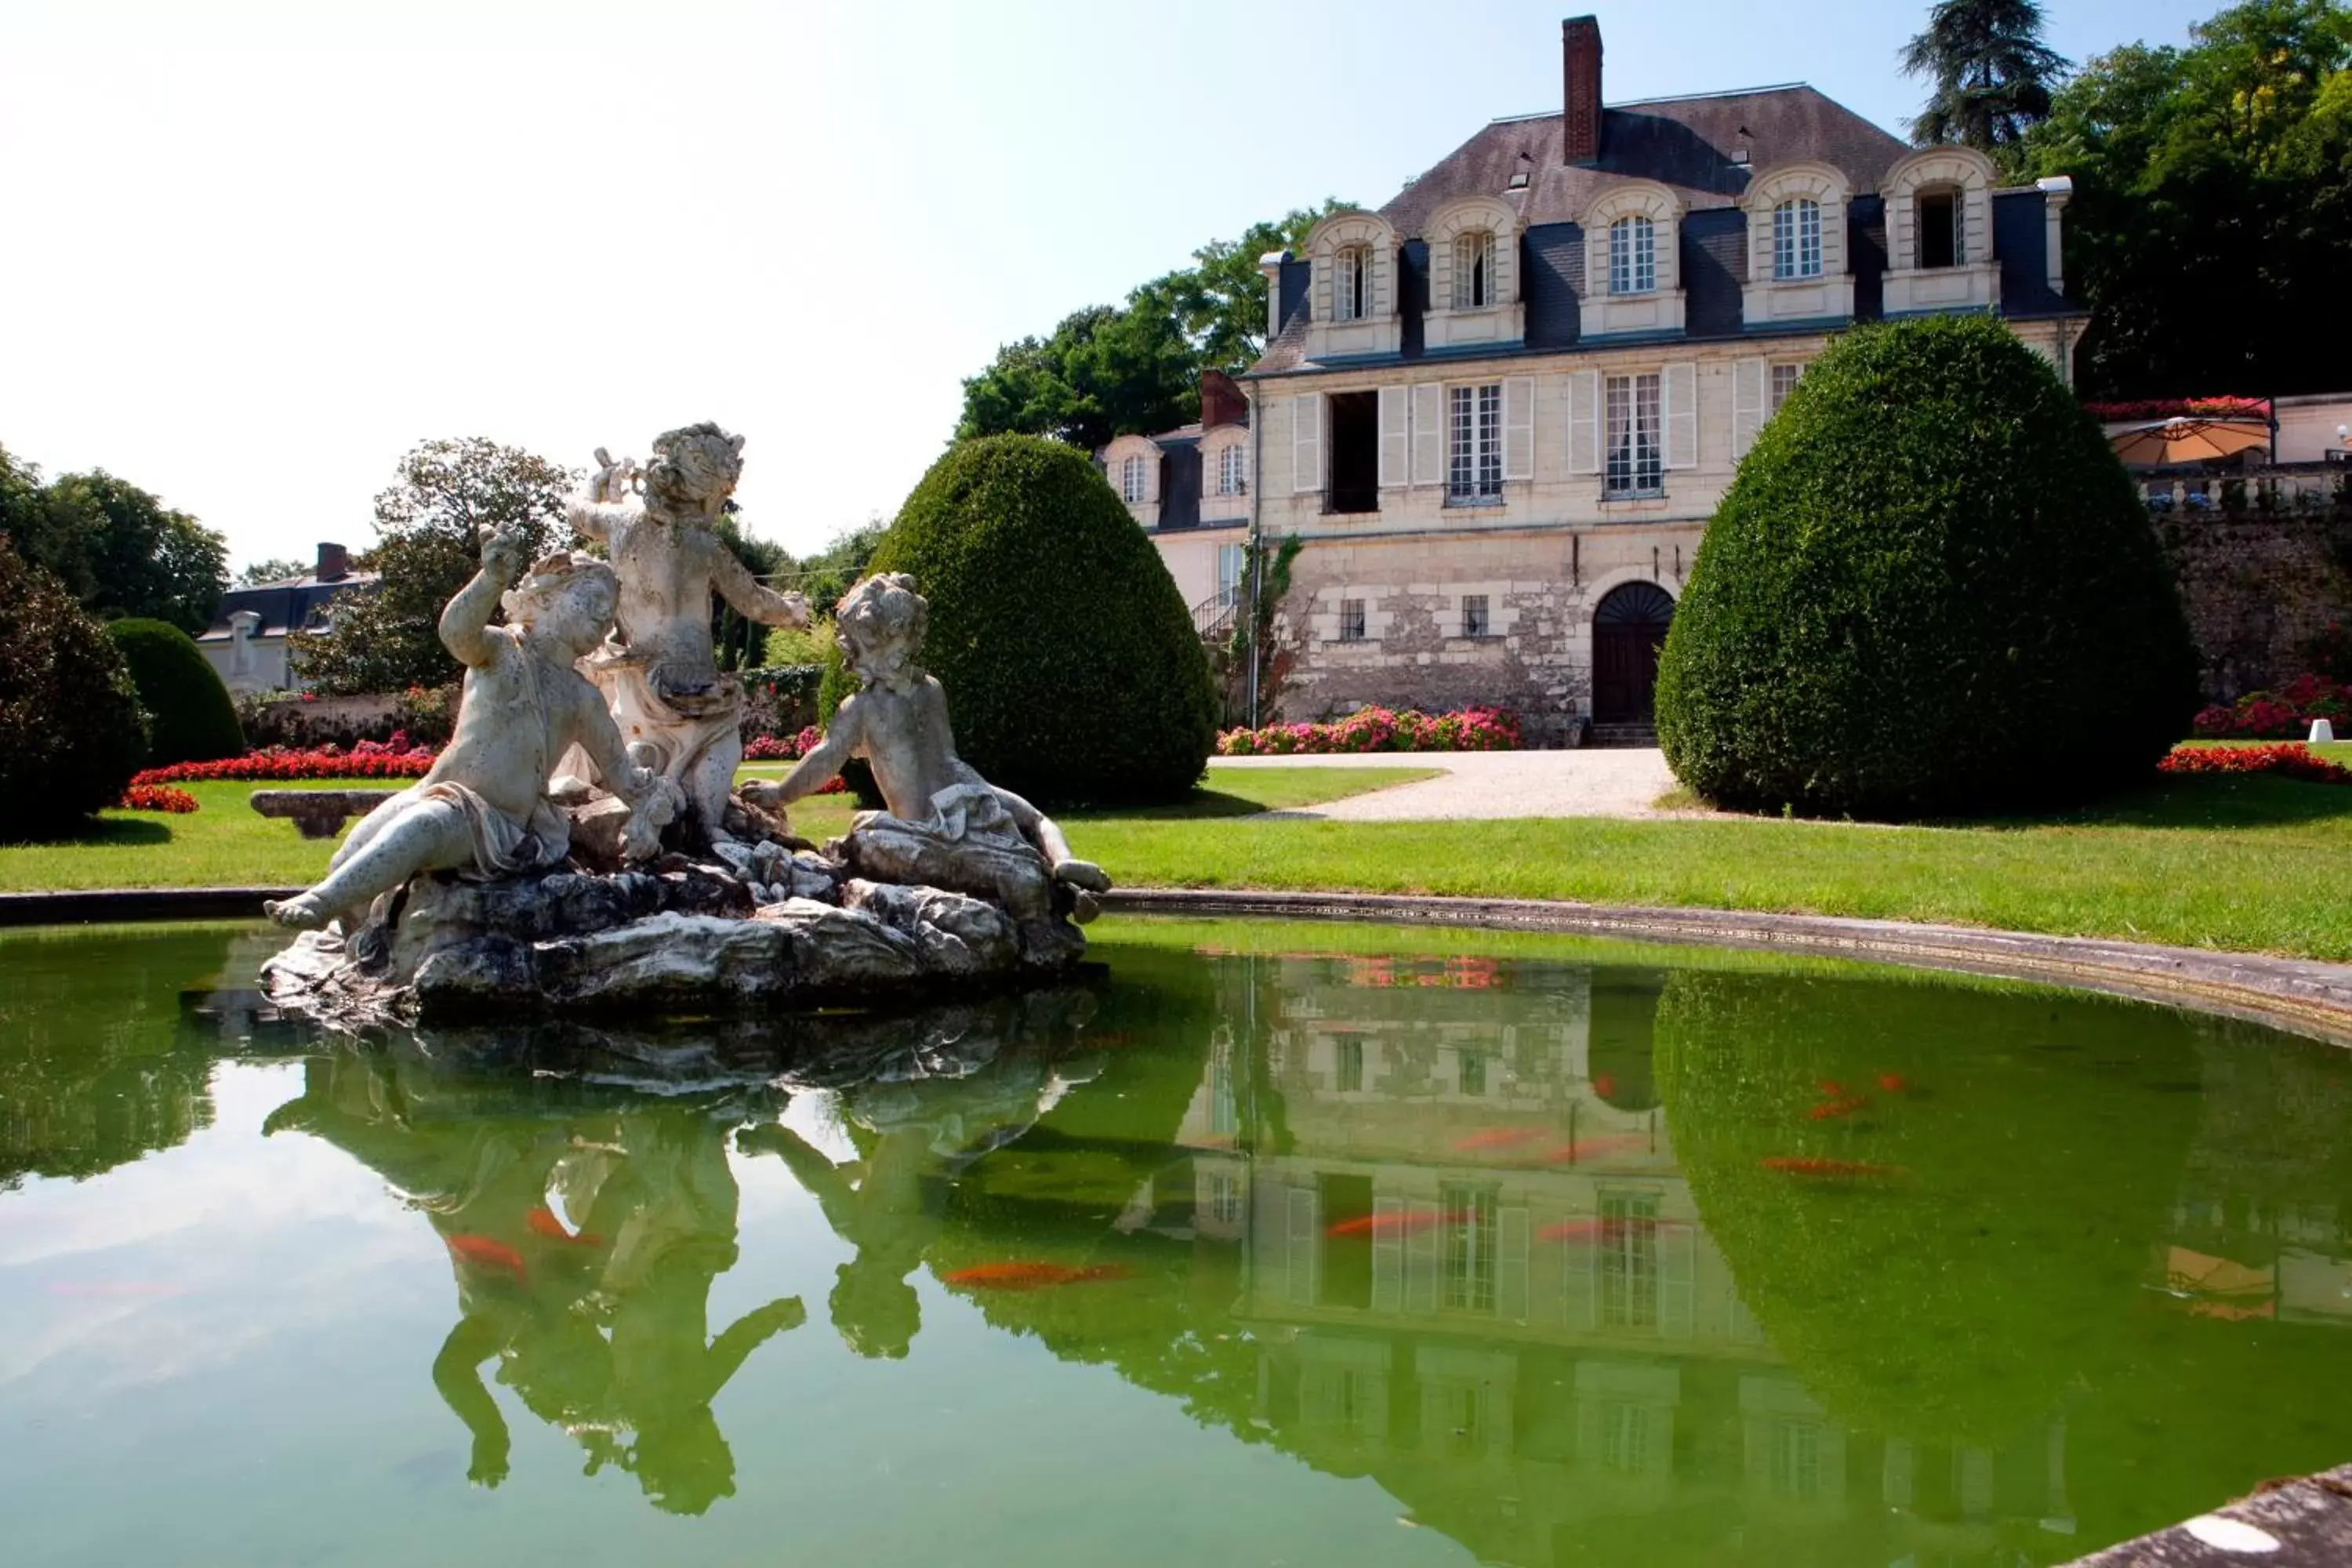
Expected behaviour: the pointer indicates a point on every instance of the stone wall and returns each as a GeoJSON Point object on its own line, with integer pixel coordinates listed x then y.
{"type": "Point", "coordinates": [2258, 590]}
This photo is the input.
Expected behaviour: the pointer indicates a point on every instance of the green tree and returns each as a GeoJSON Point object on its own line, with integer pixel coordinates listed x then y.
{"type": "Point", "coordinates": [1991, 71]}
{"type": "Point", "coordinates": [71, 730]}
{"type": "Point", "coordinates": [428, 521]}
{"type": "Point", "coordinates": [734, 640]}
{"type": "Point", "coordinates": [118, 549]}
{"type": "Point", "coordinates": [276, 569]}
{"type": "Point", "coordinates": [190, 716]}
{"type": "Point", "coordinates": [2211, 227]}
{"type": "Point", "coordinates": [1131, 369]}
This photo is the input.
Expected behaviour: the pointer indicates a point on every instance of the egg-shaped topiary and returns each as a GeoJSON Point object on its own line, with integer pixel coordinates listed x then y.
{"type": "Point", "coordinates": [1929, 591]}
{"type": "Point", "coordinates": [1072, 673]}
{"type": "Point", "coordinates": [72, 731]}
{"type": "Point", "coordinates": [190, 715]}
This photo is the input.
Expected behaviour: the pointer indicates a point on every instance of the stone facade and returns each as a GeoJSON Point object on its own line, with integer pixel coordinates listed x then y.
{"type": "Point", "coordinates": [2259, 590]}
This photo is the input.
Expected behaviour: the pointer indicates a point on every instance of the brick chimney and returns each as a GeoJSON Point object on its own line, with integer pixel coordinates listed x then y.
{"type": "Point", "coordinates": [1222, 400]}
{"type": "Point", "coordinates": [334, 563]}
{"type": "Point", "coordinates": [1579, 48]}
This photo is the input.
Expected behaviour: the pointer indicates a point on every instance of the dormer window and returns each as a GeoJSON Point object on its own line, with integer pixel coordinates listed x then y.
{"type": "Point", "coordinates": [1232, 475]}
{"type": "Point", "coordinates": [1351, 269]}
{"type": "Point", "coordinates": [1473, 270]}
{"type": "Point", "coordinates": [1134, 479]}
{"type": "Point", "coordinates": [1633, 256]}
{"type": "Point", "coordinates": [1941, 241]}
{"type": "Point", "coordinates": [1797, 239]}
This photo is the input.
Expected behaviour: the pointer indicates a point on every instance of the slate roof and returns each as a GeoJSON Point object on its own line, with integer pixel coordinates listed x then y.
{"type": "Point", "coordinates": [287, 605]}
{"type": "Point", "coordinates": [1685, 142]}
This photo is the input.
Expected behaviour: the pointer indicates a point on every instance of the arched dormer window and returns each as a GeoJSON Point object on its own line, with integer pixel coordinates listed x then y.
{"type": "Point", "coordinates": [1474, 273]}
{"type": "Point", "coordinates": [1633, 256]}
{"type": "Point", "coordinates": [1797, 239]}
{"type": "Point", "coordinates": [1939, 232]}
{"type": "Point", "coordinates": [1797, 267]}
{"type": "Point", "coordinates": [1135, 478]}
{"type": "Point", "coordinates": [1353, 286]}
{"type": "Point", "coordinates": [1632, 274]}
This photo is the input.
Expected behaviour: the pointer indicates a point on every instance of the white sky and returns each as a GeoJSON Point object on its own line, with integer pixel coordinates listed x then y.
{"type": "Point", "coordinates": [253, 252]}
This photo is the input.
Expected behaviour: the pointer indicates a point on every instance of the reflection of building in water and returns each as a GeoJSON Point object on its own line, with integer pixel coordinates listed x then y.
{"type": "Point", "coordinates": [1475, 1272]}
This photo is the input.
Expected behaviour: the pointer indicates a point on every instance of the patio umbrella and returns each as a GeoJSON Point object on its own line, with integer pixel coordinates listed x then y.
{"type": "Point", "coordinates": [2169, 441]}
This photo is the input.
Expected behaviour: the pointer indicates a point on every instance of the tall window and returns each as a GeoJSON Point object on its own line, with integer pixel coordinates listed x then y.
{"type": "Point", "coordinates": [1225, 1197]}
{"type": "Point", "coordinates": [1629, 1260]}
{"type": "Point", "coordinates": [1349, 269]}
{"type": "Point", "coordinates": [1351, 620]}
{"type": "Point", "coordinates": [1636, 465]}
{"type": "Point", "coordinates": [1474, 271]}
{"type": "Point", "coordinates": [1633, 256]}
{"type": "Point", "coordinates": [1233, 476]}
{"type": "Point", "coordinates": [1940, 242]}
{"type": "Point", "coordinates": [1784, 382]}
{"type": "Point", "coordinates": [1472, 1074]}
{"type": "Point", "coordinates": [1349, 1067]}
{"type": "Point", "coordinates": [1624, 1437]}
{"type": "Point", "coordinates": [1469, 1247]}
{"type": "Point", "coordinates": [1133, 476]}
{"type": "Point", "coordinates": [1473, 616]}
{"type": "Point", "coordinates": [1797, 239]}
{"type": "Point", "coordinates": [1231, 560]}
{"type": "Point", "coordinates": [1794, 1460]}
{"type": "Point", "coordinates": [1475, 472]}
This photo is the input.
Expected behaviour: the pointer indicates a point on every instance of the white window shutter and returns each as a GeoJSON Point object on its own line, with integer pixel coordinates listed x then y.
{"type": "Point", "coordinates": [1584, 422]}
{"type": "Point", "coordinates": [1748, 386]}
{"type": "Point", "coordinates": [1428, 434]}
{"type": "Point", "coordinates": [1306, 444]}
{"type": "Point", "coordinates": [1678, 388]}
{"type": "Point", "coordinates": [1304, 1244]}
{"type": "Point", "coordinates": [1580, 1308]}
{"type": "Point", "coordinates": [1511, 1265]}
{"type": "Point", "coordinates": [1677, 1281]}
{"type": "Point", "coordinates": [1388, 1255]}
{"type": "Point", "coordinates": [1395, 437]}
{"type": "Point", "coordinates": [1421, 1258]}
{"type": "Point", "coordinates": [1520, 428]}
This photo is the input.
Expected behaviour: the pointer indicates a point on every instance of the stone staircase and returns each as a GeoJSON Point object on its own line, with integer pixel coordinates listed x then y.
{"type": "Point", "coordinates": [1622, 735]}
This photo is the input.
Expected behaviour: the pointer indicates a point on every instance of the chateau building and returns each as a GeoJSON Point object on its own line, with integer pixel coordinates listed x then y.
{"type": "Point", "coordinates": [1499, 411]}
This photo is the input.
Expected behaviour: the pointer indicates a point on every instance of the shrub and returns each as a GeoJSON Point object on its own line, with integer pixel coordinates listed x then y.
{"type": "Point", "coordinates": [190, 716]}
{"type": "Point", "coordinates": [72, 730]}
{"type": "Point", "coordinates": [1929, 590]}
{"type": "Point", "coordinates": [2281, 715]}
{"type": "Point", "coordinates": [1380, 730]}
{"type": "Point", "coordinates": [1073, 672]}
{"type": "Point", "coordinates": [158, 797]}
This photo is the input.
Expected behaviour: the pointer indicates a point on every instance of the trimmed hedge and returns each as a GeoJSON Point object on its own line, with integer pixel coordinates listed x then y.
{"type": "Point", "coordinates": [1929, 591]}
{"type": "Point", "coordinates": [72, 731]}
{"type": "Point", "coordinates": [190, 715]}
{"type": "Point", "coordinates": [1072, 673]}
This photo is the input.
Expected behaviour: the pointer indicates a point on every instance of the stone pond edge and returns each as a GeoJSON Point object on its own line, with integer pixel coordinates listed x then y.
{"type": "Point", "coordinates": [2303, 995]}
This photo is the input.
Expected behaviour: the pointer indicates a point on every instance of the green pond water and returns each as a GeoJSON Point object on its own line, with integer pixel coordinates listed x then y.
{"type": "Point", "coordinates": [1283, 1243]}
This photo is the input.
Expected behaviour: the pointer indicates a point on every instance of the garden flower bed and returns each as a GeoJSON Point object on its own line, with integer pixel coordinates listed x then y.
{"type": "Point", "coordinates": [392, 759]}
{"type": "Point", "coordinates": [1380, 730]}
{"type": "Point", "coordinates": [158, 797]}
{"type": "Point", "coordinates": [2294, 759]}
{"type": "Point", "coordinates": [2281, 715]}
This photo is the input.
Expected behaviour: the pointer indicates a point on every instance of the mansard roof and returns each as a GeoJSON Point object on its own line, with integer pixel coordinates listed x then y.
{"type": "Point", "coordinates": [1687, 144]}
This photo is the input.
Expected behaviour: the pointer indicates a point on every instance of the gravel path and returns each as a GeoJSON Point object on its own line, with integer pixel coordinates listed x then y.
{"type": "Point", "coordinates": [1492, 785]}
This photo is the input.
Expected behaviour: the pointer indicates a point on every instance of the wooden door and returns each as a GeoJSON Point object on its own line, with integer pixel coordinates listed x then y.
{"type": "Point", "coordinates": [1628, 629]}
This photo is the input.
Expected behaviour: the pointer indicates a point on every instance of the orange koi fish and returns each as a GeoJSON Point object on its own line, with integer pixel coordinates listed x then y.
{"type": "Point", "coordinates": [1831, 1088]}
{"type": "Point", "coordinates": [543, 1221]}
{"type": "Point", "coordinates": [1801, 1165]}
{"type": "Point", "coordinates": [1403, 1222]}
{"type": "Point", "coordinates": [1035, 1276]}
{"type": "Point", "coordinates": [1828, 1108]}
{"type": "Point", "coordinates": [486, 1253]}
{"type": "Point", "coordinates": [1893, 1082]}
{"type": "Point", "coordinates": [1497, 1138]}
{"type": "Point", "coordinates": [1605, 1085]}
{"type": "Point", "coordinates": [1592, 1148]}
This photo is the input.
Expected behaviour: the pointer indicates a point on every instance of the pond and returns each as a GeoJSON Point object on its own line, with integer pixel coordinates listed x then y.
{"type": "Point", "coordinates": [1283, 1243]}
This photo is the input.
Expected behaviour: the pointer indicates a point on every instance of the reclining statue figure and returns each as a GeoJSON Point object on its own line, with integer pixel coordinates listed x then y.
{"type": "Point", "coordinates": [658, 672]}
{"type": "Point", "coordinates": [484, 808]}
{"type": "Point", "coordinates": [946, 826]}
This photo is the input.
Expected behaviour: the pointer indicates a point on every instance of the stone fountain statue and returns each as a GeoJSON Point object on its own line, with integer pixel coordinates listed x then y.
{"type": "Point", "coordinates": [565, 857]}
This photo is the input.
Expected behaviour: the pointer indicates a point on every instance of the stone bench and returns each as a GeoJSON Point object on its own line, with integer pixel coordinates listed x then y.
{"type": "Point", "coordinates": [320, 813]}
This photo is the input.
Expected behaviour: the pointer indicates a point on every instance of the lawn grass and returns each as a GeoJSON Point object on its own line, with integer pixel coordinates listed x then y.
{"type": "Point", "coordinates": [2236, 863]}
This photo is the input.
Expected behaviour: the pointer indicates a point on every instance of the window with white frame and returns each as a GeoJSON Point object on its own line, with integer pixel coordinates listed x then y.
{"type": "Point", "coordinates": [1475, 422]}
{"type": "Point", "coordinates": [1224, 1198]}
{"type": "Point", "coordinates": [1784, 382]}
{"type": "Point", "coordinates": [1351, 266]}
{"type": "Point", "coordinates": [1470, 1214]}
{"type": "Point", "coordinates": [1351, 620]}
{"type": "Point", "coordinates": [1938, 213]}
{"type": "Point", "coordinates": [1473, 616]}
{"type": "Point", "coordinates": [1232, 560]}
{"type": "Point", "coordinates": [1629, 1260]}
{"type": "Point", "coordinates": [1349, 1067]}
{"type": "Point", "coordinates": [1134, 478]}
{"type": "Point", "coordinates": [1797, 239]}
{"type": "Point", "coordinates": [1233, 474]}
{"type": "Point", "coordinates": [1474, 271]}
{"type": "Point", "coordinates": [1636, 463]}
{"type": "Point", "coordinates": [1633, 256]}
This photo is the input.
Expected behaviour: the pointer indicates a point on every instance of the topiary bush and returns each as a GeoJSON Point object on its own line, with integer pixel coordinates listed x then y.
{"type": "Point", "coordinates": [72, 731]}
{"type": "Point", "coordinates": [1929, 591]}
{"type": "Point", "coordinates": [1072, 673]}
{"type": "Point", "coordinates": [191, 717]}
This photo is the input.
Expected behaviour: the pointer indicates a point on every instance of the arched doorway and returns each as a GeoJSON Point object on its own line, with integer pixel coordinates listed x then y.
{"type": "Point", "coordinates": [1628, 629]}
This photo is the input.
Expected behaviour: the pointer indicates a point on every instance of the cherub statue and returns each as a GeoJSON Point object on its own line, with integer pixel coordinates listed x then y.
{"type": "Point", "coordinates": [484, 807]}
{"type": "Point", "coordinates": [946, 826]}
{"type": "Point", "coordinates": [658, 672]}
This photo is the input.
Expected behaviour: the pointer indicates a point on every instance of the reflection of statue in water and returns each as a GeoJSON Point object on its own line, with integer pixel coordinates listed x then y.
{"type": "Point", "coordinates": [946, 826]}
{"type": "Point", "coordinates": [658, 670]}
{"type": "Point", "coordinates": [598, 1316]}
